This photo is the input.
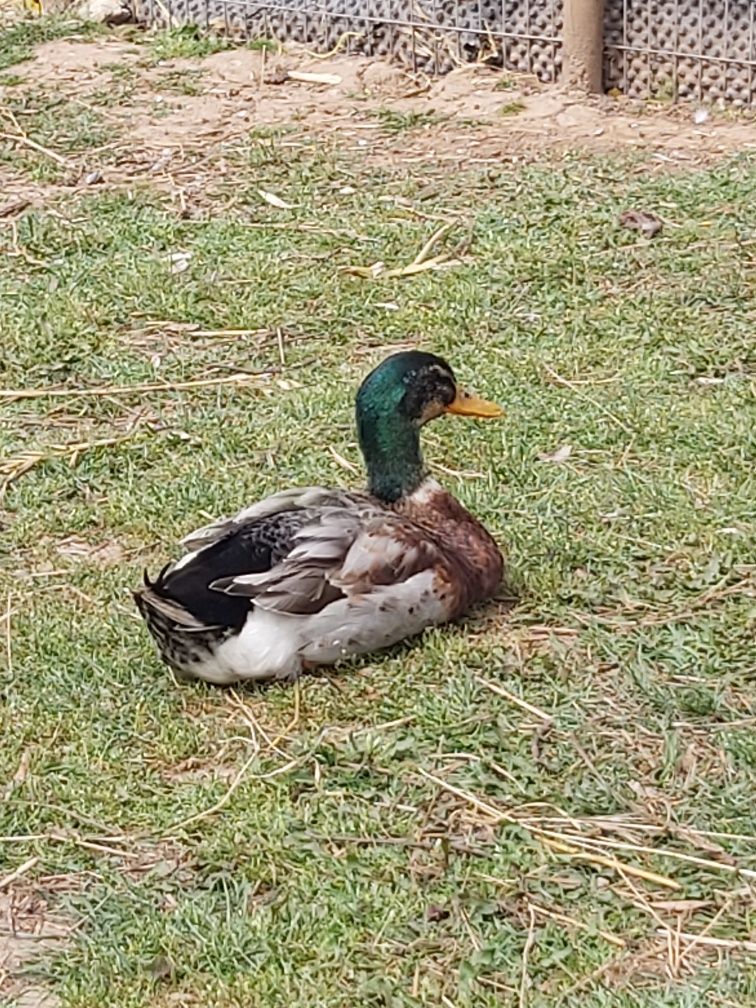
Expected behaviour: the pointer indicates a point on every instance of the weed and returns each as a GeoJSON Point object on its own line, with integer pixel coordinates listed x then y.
{"type": "Point", "coordinates": [393, 121]}
{"type": "Point", "coordinates": [184, 42]}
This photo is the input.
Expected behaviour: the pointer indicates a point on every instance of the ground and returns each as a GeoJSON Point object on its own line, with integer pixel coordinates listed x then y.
{"type": "Point", "coordinates": [552, 801]}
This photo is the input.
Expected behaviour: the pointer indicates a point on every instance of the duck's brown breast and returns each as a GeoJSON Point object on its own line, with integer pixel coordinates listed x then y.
{"type": "Point", "coordinates": [473, 564]}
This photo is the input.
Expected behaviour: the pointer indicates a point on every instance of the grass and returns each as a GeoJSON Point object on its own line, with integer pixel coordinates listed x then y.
{"type": "Point", "coordinates": [184, 42]}
{"type": "Point", "coordinates": [505, 84]}
{"type": "Point", "coordinates": [20, 39]}
{"type": "Point", "coordinates": [264, 44]}
{"type": "Point", "coordinates": [394, 121]}
{"type": "Point", "coordinates": [349, 862]}
{"type": "Point", "coordinates": [182, 82]}
{"type": "Point", "coordinates": [53, 122]}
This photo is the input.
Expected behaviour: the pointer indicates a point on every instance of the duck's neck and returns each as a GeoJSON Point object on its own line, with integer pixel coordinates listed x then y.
{"type": "Point", "coordinates": [390, 444]}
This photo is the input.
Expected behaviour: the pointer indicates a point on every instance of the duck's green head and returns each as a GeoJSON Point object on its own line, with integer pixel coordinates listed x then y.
{"type": "Point", "coordinates": [404, 392]}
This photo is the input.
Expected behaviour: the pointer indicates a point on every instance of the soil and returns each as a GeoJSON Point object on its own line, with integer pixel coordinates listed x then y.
{"type": "Point", "coordinates": [475, 115]}
{"type": "Point", "coordinates": [27, 931]}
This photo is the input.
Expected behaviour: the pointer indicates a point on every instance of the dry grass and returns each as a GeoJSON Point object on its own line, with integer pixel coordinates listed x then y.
{"type": "Point", "coordinates": [552, 801]}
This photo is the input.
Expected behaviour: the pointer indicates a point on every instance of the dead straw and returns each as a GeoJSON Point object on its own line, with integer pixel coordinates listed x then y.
{"type": "Point", "coordinates": [344, 37]}
{"type": "Point", "coordinates": [18, 872]}
{"type": "Point", "coordinates": [608, 862]}
{"type": "Point", "coordinates": [517, 701]}
{"type": "Point", "coordinates": [423, 261]}
{"type": "Point", "coordinates": [12, 395]}
{"type": "Point", "coordinates": [563, 918]}
{"type": "Point", "coordinates": [708, 863]}
{"type": "Point", "coordinates": [239, 777]}
{"type": "Point", "coordinates": [20, 137]}
{"type": "Point", "coordinates": [733, 944]}
{"type": "Point", "coordinates": [585, 847]}
{"type": "Point", "coordinates": [13, 468]}
{"type": "Point", "coordinates": [525, 981]}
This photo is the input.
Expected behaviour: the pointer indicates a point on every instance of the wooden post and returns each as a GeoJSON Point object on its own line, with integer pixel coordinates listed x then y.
{"type": "Point", "coordinates": [583, 45]}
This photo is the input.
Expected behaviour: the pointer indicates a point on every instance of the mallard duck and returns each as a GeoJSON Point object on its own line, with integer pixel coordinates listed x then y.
{"type": "Point", "coordinates": [310, 576]}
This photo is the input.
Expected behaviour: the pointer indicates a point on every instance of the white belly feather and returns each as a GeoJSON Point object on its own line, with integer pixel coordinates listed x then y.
{"type": "Point", "coordinates": [272, 645]}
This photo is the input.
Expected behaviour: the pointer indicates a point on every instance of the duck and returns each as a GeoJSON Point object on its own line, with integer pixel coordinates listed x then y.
{"type": "Point", "coordinates": [312, 576]}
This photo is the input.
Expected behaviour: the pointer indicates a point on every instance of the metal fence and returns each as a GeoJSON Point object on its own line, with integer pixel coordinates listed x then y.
{"type": "Point", "coordinates": [682, 49]}
{"type": "Point", "coordinates": [428, 35]}
{"type": "Point", "coordinates": [668, 49]}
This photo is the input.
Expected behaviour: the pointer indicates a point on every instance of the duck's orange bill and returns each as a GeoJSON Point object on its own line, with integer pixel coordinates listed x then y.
{"type": "Point", "coordinates": [466, 404]}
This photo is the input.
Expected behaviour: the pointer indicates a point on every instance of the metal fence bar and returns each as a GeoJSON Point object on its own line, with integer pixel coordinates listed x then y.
{"type": "Point", "coordinates": [647, 51]}
{"type": "Point", "coordinates": [726, 44]}
{"type": "Point", "coordinates": [676, 62]}
{"type": "Point", "coordinates": [670, 53]}
{"type": "Point", "coordinates": [699, 95]}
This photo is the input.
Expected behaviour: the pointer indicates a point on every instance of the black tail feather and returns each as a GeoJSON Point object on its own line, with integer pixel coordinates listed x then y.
{"type": "Point", "coordinates": [157, 584]}
{"type": "Point", "coordinates": [163, 572]}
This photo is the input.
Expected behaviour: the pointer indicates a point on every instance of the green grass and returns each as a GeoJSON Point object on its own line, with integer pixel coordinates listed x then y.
{"type": "Point", "coordinates": [18, 40]}
{"type": "Point", "coordinates": [53, 122]}
{"type": "Point", "coordinates": [336, 873]}
{"type": "Point", "coordinates": [11, 80]}
{"type": "Point", "coordinates": [66, 129]}
{"type": "Point", "coordinates": [394, 121]}
{"type": "Point", "coordinates": [266, 44]}
{"type": "Point", "coordinates": [184, 42]}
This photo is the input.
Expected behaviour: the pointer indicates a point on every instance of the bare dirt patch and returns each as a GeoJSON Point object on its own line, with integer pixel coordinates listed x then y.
{"type": "Point", "coordinates": [378, 112]}
{"type": "Point", "coordinates": [243, 90]}
{"type": "Point", "coordinates": [105, 554]}
{"type": "Point", "coordinates": [64, 61]}
{"type": "Point", "coordinates": [28, 932]}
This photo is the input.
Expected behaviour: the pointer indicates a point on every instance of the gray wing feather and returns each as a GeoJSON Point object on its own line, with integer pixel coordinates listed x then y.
{"type": "Point", "coordinates": [343, 552]}
{"type": "Point", "coordinates": [306, 579]}
{"type": "Point", "coordinates": [284, 500]}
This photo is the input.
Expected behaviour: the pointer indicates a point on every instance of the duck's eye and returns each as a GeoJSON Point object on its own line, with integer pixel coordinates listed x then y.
{"type": "Point", "coordinates": [449, 393]}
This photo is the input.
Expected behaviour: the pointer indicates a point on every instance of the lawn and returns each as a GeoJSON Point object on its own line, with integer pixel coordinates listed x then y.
{"type": "Point", "coordinates": [552, 802]}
